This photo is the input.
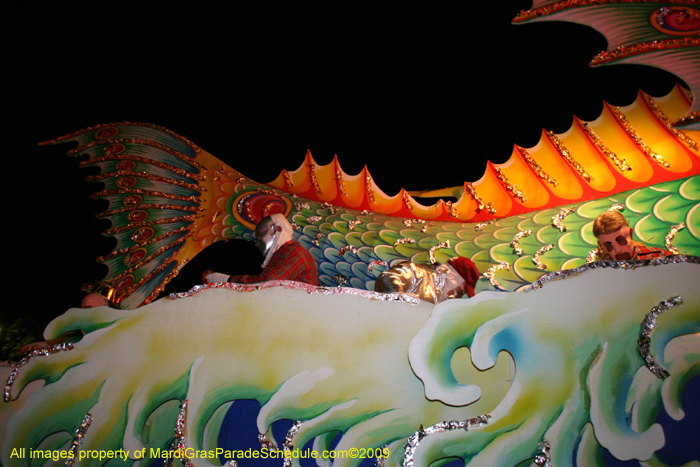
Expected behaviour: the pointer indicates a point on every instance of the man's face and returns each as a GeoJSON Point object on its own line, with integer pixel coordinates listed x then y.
{"type": "Point", "coordinates": [618, 244]}
{"type": "Point", "coordinates": [264, 236]}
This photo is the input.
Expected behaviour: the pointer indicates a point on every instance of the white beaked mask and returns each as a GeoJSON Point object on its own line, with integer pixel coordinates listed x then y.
{"type": "Point", "coordinates": [278, 238]}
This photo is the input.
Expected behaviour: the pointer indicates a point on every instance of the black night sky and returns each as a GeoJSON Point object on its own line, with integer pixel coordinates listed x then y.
{"type": "Point", "coordinates": [423, 95]}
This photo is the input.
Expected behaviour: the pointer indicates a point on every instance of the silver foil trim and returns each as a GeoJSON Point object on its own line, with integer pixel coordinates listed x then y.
{"type": "Point", "coordinates": [410, 222]}
{"type": "Point", "coordinates": [308, 288]}
{"type": "Point", "coordinates": [78, 440]}
{"type": "Point", "coordinates": [431, 251]}
{"type": "Point", "coordinates": [17, 367]}
{"type": "Point", "coordinates": [670, 235]}
{"type": "Point", "coordinates": [616, 207]}
{"type": "Point", "coordinates": [542, 458]}
{"type": "Point", "coordinates": [340, 279]}
{"type": "Point", "coordinates": [515, 244]}
{"type": "Point", "coordinates": [415, 439]}
{"type": "Point", "coordinates": [316, 239]}
{"type": "Point", "coordinates": [330, 207]}
{"type": "Point", "coordinates": [490, 273]}
{"type": "Point", "coordinates": [374, 263]}
{"type": "Point", "coordinates": [536, 258]}
{"type": "Point", "coordinates": [379, 460]}
{"type": "Point", "coordinates": [179, 444]}
{"type": "Point", "coordinates": [592, 255]}
{"type": "Point", "coordinates": [648, 326]}
{"type": "Point", "coordinates": [288, 445]}
{"type": "Point", "coordinates": [352, 224]}
{"type": "Point", "coordinates": [564, 273]}
{"type": "Point", "coordinates": [266, 443]}
{"type": "Point", "coordinates": [480, 226]}
{"type": "Point", "coordinates": [313, 219]}
{"type": "Point", "coordinates": [299, 206]}
{"type": "Point", "coordinates": [403, 241]}
{"type": "Point", "coordinates": [342, 251]}
{"type": "Point", "coordinates": [557, 221]}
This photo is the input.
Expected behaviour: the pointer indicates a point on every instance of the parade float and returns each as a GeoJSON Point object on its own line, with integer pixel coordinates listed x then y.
{"type": "Point", "coordinates": [558, 360]}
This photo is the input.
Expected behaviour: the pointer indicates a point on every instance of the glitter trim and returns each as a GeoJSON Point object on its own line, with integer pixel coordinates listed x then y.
{"type": "Point", "coordinates": [78, 440]}
{"type": "Point", "coordinates": [616, 207]}
{"type": "Point", "coordinates": [543, 458]}
{"type": "Point", "coordinates": [407, 201]}
{"type": "Point", "coordinates": [403, 241]}
{"type": "Point", "coordinates": [374, 263]}
{"type": "Point", "coordinates": [692, 117]}
{"type": "Point", "coordinates": [300, 206]}
{"type": "Point", "coordinates": [287, 178]}
{"type": "Point", "coordinates": [511, 187]}
{"type": "Point", "coordinates": [565, 273]}
{"type": "Point", "coordinates": [340, 279]}
{"type": "Point", "coordinates": [330, 207]}
{"type": "Point", "coordinates": [480, 202]}
{"type": "Point", "coordinates": [669, 125]}
{"type": "Point", "coordinates": [490, 273]}
{"type": "Point", "coordinates": [669, 238]}
{"type": "Point", "coordinates": [415, 439]}
{"type": "Point", "coordinates": [451, 210]}
{"type": "Point", "coordinates": [288, 445]}
{"type": "Point", "coordinates": [145, 160]}
{"type": "Point", "coordinates": [568, 4]}
{"type": "Point", "coordinates": [515, 244]}
{"type": "Point", "coordinates": [122, 251]}
{"type": "Point", "coordinates": [620, 163]}
{"type": "Point", "coordinates": [567, 156]}
{"type": "Point", "coordinates": [536, 167]}
{"type": "Point", "coordinates": [17, 367]}
{"type": "Point", "coordinates": [312, 177]}
{"type": "Point", "coordinates": [342, 251]}
{"type": "Point", "coordinates": [165, 281]}
{"type": "Point", "coordinates": [557, 221]}
{"type": "Point", "coordinates": [316, 239]}
{"type": "Point", "coordinates": [352, 224]}
{"type": "Point", "coordinates": [648, 326]}
{"type": "Point", "coordinates": [536, 258]}
{"type": "Point", "coordinates": [431, 251]}
{"type": "Point", "coordinates": [592, 255]}
{"type": "Point", "coordinates": [137, 225]}
{"type": "Point", "coordinates": [339, 180]}
{"type": "Point", "coordinates": [637, 139]}
{"type": "Point", "coordinates": [368, 186]}
{"type": "Point", "coordinates": [141, 207]}
{"type": "Point", "coordinates": [410, 222]}
{"type": "Point", "coordinates": [313, 219]}
{"type": "Point", "coordinates": [379, 460]}
{"type": "Point", "coordinates": [179, 445]}
{"type": "Point", "coordinates": [139, 191]}
{"type": "Point", "coordinates": [643, 47]}
{"type": "Point", "coordinates": [155, 178]}
{"type": "Point", "coordinates": [480, 226]}
{"type": "Point", "coordinates": [194, 147]}
{"type": "Point", "coordinates": [308, 288]}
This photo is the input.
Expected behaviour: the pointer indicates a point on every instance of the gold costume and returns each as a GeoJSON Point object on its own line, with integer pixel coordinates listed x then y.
{"type": "Point", "coordinates": [425, 281]}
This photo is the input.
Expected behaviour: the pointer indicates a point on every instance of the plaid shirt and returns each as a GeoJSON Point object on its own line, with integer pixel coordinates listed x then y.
{"type": "Point", "coordinates": [291, 262]}
{"type": "Point", "coordinates": [645, 252]}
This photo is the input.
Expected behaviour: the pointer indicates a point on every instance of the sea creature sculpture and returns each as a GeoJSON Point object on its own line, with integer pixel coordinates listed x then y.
{"type": "Point", "coordinates": [557, 374]}
{"type": "Point", "coordinates": [169, 199]}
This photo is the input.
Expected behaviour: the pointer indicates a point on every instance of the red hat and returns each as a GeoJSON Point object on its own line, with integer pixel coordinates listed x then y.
{"type": "Point", "coordinates": [467, 269]}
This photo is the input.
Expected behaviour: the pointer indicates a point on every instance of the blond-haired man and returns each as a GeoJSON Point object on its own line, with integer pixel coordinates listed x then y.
{"type": "Point", "coordinates": [615, 242]}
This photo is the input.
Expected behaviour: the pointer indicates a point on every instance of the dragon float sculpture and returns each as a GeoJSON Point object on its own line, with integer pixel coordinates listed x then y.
{"type": "Point", "coordinates": [568, 370]}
